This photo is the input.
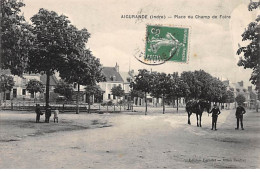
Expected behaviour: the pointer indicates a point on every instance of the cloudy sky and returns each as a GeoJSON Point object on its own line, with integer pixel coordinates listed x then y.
{"type": "Point", "coordinates": [213, 42]}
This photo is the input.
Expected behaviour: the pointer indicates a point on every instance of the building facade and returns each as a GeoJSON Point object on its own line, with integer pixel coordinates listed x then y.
{"type": "Point", "coordinates": [19, 91]}
{"type": "Point", "coordinates": [113, 79]}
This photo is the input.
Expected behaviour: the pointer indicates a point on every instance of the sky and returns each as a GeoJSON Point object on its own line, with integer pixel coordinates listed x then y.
{"type": "Point", "coordinates": [212, 42]}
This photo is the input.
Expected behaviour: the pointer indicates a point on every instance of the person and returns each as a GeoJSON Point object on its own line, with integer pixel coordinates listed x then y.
{"type": "Point", "coordinates": [56, 113]}
{"type": "Point", "coordinates": [47, 114]}
{"type": "Point", "coordinates": [38, 113]}
{"type": "Point", "coordinates": [215, 112]}
{"type": "Point", "coordinates": [239, 115]}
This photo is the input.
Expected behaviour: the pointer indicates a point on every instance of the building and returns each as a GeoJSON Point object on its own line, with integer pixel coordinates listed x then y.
{"type": "Point", "coordinates": [248, 93]}
{"type": "Point", "coordinates": [19, 91]}
{"type": "Point", "coordinates": [240, 89]}
{"type": "Point", "coordinates": [113, 79]}
{"type": "Point", "coordinates": [53, 83]}
{"type": "Point", "coordinates": [127, 77]}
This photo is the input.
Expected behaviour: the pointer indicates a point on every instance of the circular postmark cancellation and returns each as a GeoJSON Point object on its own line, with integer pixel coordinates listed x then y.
{"type": "Point", "coordinates": [164, 44]}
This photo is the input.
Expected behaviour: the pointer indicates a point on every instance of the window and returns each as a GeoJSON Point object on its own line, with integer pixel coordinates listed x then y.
{"type": "Point", "coordinates": [75, 85]}
{"type": "Point", "coordinates": [24, 92]}
{"type": "Point", "coordinates": [7, 96]}
{"type": "Point", "coordinates": [109, 96]}
{"type": "Point", "coordinates": [14, 93]}
{"type": "Point", "coordinates": [24, 81]}
{"type": "Point", "coordinates": [126, 97]}
{"type": "Point", "coordinates": [114, 97]}
{"type": "Point", "coordinates": [113, 78]}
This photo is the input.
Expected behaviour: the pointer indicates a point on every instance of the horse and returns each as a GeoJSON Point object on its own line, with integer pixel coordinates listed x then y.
{"type": "Point", "coordinates": [198, 107]}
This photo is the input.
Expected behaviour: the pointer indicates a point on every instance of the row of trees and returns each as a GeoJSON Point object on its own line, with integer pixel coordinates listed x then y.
{"type": "Point", "coordinates": [49, 44]}
{"type": "Point", "coordinates": [190, 85]}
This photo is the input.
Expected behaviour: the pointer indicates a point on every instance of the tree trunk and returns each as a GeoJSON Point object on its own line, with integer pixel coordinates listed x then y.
{"type": "Point", "coordinates": [4, 97]}
{"type": "Point", "coordinates": [89, 104]}
{"type": "Point", "coordinates": [163, 104]}
{"type": "Point", "coordinates": [177, 104]}
{"type": "Point", "coordinates": [77, 101]}
{"type": "Point", "coordinates": [145, 99]}
{"type": "Point", "coordinates": [173, 102]}
{"type": "Point", "coordinates": [34, 97]}
{"type": "Point", "coordinates": [47, 95]}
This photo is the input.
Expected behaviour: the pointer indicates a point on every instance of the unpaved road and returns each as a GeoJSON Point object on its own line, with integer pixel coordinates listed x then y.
{"type": "Point", "coordinates": [128, 141]}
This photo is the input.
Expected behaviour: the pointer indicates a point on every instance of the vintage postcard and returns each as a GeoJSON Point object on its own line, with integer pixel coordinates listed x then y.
{"type": "Point", "coordinates": [118, 84]}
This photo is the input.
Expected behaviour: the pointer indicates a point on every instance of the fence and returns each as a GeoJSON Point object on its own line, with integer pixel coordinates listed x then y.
{"type": "Point", "coordinates": [83, 107]}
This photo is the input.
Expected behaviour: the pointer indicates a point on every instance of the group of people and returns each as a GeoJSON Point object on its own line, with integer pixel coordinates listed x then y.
{"type": "Point", "coordinates": [47, 114]}
{"type": "Point", "coordinates": [240, 111]}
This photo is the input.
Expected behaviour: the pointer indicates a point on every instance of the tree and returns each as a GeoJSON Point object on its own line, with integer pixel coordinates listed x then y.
{"type": "Point", "coordinates": [203, 86]}
{"type": "Point", "coordinates": [136, 93]}
{"type": "Point", "coordinates": [229, 97]}
{"type": "Point", "coordinates": [16, 37]}
{"type": "Point", "coordinates": [251, 52]}
{"type": "Point", "coordinates": [85, 69]}
{"type": "Point", "coordinates": [193, 83]}
{"type": "Point", "coordinates": [160, 86]}
{"type": "Point", "coordinates": [143, 83]}
{"type": "Point", "coordinates": [6, 84]}
{"type": "Point", "coordinates": [218, 91]}
{"type": "Point", "coordinates": [64, 89]}
{"type": "Point", "coordinates": [178, 88]}
{"type": "Point", "coordinates": [117, 91]}
{"type": "Point", "coordinates": [206, 84]}
{"type": "Point", "coordinates": [34, 86]}
{"type": "Point", "coordinates": [92, 90]}
{"type": "Point", "coordinates": [56, 43]}
{"type": "Point", "coordinates": [240, 99]}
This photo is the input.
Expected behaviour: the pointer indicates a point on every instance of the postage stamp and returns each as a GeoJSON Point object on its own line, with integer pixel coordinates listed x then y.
{"type": "Point", "coordinates": [165, 43]}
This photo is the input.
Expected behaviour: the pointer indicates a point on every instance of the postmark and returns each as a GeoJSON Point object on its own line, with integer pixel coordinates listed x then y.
{"type": "Point", "coordinates": [165, 44]}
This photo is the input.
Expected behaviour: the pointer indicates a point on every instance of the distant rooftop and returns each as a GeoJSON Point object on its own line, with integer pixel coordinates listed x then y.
{"type": "Point", "coordinates": [111, 74]}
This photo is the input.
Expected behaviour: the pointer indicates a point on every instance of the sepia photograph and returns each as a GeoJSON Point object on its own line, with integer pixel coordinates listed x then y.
{"type": "Point", "coordinates": [119, 84]}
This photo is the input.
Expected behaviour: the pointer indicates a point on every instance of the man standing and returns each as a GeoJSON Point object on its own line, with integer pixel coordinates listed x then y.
{"type": "Point", "coordinates": [215, 112]}
{"type": "Point", "coordinates": [47, 114]}
{"type": "Point", "coordinates": [38, 113]}
{"type": "Point", "coordinates": [239, 115]}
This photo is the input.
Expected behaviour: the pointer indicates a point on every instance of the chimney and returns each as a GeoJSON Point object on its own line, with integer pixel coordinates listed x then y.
{"type": "Point", "coordinates": [250, 88]}
{"type": "Point", "coordinates": [117, 67]}
{"type": "Point", "coordinates": [241, 83]}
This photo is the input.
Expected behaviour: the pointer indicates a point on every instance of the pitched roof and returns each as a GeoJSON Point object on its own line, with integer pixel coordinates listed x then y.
{"type": "Point", "coordinates": [111, 74]}
{"type": "Point", "coordinates": [126, 76]}
{"type": "Point", "coordinates": [53, 80]}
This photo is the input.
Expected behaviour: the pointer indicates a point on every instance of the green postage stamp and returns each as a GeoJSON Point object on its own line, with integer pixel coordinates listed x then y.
{"type": "Point", "coordinates": [166, 43]}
